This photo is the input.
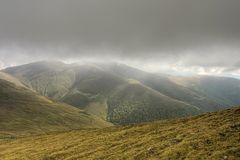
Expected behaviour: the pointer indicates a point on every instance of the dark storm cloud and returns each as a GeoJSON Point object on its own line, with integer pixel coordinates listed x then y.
{"type": "Point", "coordinates": [191, 32]}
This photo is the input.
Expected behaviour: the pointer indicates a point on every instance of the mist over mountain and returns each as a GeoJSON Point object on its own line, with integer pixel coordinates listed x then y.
{"type": "Point", "coordinates": [122, 94]}
{"type": "Point", "coordinates": [182, 37]}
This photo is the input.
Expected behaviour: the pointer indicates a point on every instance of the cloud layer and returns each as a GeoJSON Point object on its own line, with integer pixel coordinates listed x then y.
{"type": "Point", "coordinates": [182, 33]}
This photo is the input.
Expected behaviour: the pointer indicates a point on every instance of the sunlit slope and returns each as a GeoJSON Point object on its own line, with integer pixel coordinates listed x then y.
{"type": "Point", "coordinates": [52, 79]}
{"type": "Point", "coordinates": [58, 80]}
{"type": "Point", "coordinates": [208, 136]}
{"type": "Point", "coordinates": [83, 86]}
{"type": "Point", "coordinates": [134, 103]}
{"type": "Point", "coordinates": [23, 111]}
{"type": "Point", "coordinates": [7, 77]}
{"type": "Point", "coordinates": [210, 95]}
{"type": "Point", "coordinates": [222, 89]}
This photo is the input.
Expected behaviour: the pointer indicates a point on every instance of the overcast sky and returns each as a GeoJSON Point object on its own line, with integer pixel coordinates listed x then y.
{"type": "Point", "coordinates": [188, 36]}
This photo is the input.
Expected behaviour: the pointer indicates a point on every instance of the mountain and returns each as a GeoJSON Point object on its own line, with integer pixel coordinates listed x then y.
{"type": "Point", "coordinates": [134, 103]}
{"type": "Point", "coordinates": [23, 111]}
{"type": "Point", "coordinates": [52, 79]}
{"type": "Point", "coordinates": [98, 91]}
{"type": "Point", "coordinates": [208, 136]}
{"type": "Point", "coordinates": [165, 85]}
{"type": "Point", "coordinates": [221, 89]}
{"type": "Point", "coordinates": [98, 88]}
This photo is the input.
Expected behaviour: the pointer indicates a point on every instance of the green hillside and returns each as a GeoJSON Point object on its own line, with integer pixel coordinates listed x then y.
{"type": "Point", "coordinates": [98, 88]}
{"type": "Point", "coordinates": [134, 103]}
{"type": "Point", "coordinates": [93, 80]}
{"type": "Point", "coordinates": [91, 89]}
{"type": "Point", "coordinates": [206, 101]}
{"type": "Point", "coordinates": [98, 91]}
{"type": "Point", "coordinates": [222, 89]}
{"type": "Point", "coordinates": [23, 111]}
{"type": "Point", "coordinates": [208, 136]}
{"type": "Point", "coordinates": [52, 79]}
{"type": "Point", "coordinates": [83, 86]}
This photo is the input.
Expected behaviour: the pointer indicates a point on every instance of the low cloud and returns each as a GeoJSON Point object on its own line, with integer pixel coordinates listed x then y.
{"type": "Point", "coordinates": [154, 35]}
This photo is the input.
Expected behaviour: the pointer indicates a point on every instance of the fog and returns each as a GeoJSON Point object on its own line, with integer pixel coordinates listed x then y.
{"type": "Point", "coordinates": [173, 36]}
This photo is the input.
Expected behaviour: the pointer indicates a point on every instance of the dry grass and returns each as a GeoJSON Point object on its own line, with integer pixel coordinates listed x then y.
{"type": "Point", "coordinates": [23, 111]}
{"type": "Point", "coordinates": [208, 136]}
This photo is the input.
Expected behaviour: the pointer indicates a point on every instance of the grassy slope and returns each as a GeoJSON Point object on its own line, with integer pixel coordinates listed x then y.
{"type": "Point", "coordinates": [22, 111]}
{"type": "Point", "coordinates": [133, 107]}
{"type": "Point", "coordinates": [7, 77]}
{"type": "Point", "coordinates": [52, 79]}
{"type": "Point", "coordinates": [166, 86]}
{"type": "Point", "coordinates": [208, 136]}
{"type": "Point", "coordinates": [91, 89]}
{"type": "Point", "coordinates": [222, 89]}
{"type": "Point", "coordinates": [96, 90]}
{"type": "Point", "coordinates": [82, 86]}
{"type": "Point", "coordinates": [98, 108]}
{"type": "Point", "coordinates": [101, 86]}
{"type": "Point", "coordinates": [134, 103]}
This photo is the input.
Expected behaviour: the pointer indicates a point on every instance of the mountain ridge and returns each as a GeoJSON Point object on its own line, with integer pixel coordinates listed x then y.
{"type": "Point", "coordinates": [87, 85]}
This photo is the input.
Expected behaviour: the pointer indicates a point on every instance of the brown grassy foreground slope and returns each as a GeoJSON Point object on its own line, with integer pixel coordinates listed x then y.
{"type": "Point", "coordinates": [208, 136]}
{"type": "Point", "coordinates": [24, 112]}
